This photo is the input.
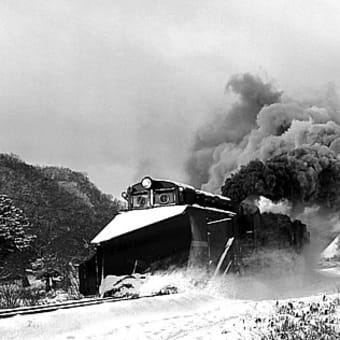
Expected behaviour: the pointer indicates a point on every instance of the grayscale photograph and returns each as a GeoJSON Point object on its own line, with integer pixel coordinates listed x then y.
{"type": "Point", "coordinates": [170, 170]}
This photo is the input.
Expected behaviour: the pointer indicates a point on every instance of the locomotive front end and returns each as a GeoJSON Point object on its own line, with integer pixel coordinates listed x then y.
{"type": "Point", "coordinates": [166, 225]}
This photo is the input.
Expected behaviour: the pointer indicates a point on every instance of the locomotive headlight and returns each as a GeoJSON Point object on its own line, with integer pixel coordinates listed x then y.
{"type": "Point", "coordinates": [147, 182]}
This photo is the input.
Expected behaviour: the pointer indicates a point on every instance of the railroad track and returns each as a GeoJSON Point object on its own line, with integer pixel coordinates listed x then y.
{"type": "Point", "coordinates": [6, 313]}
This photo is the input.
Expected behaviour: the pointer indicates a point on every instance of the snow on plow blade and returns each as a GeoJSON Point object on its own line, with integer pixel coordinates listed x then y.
{"type": "Point", "coordinates": [178, 236]}
{"type": "Point", "coordinates": [133, 220]}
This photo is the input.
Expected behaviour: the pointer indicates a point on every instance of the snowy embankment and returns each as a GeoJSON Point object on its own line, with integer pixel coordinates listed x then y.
{"type": "Point", "coordinates": [130, 319]}
{"type": "Point", "coordinates": [183, 316]}
{"type": "Point", "coordinates": [216, 310]}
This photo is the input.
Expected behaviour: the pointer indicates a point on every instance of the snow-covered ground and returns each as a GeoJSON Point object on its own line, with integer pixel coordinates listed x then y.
{"type": "Point", "coordinates": [164, 317]}
{"type": "Point", "coordinates": [183, 316]}
{"type": "Point", "coordinates": [196, 313]}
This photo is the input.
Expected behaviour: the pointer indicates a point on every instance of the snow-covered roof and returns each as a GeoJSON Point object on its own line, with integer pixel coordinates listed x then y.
{"type": "Point", "coordinates": [132, 220]}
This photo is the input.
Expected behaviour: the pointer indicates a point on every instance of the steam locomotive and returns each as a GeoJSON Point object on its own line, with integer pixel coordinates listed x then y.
{"type": "Point", "coordinates": [169, 224]}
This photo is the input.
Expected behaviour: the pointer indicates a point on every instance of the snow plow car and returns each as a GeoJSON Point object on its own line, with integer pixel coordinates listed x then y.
{"type": "Point", "coordinates": [168, 224]}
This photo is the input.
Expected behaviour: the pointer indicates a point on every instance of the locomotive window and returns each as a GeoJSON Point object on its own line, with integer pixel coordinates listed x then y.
{"type": "Point", "coordinates": [140, 201]}
{"type": "Point", "coordinates": [165, 198]}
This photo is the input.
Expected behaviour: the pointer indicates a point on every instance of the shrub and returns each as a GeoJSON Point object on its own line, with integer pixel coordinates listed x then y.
{"type": "Point", "coordinates": [11, 296]}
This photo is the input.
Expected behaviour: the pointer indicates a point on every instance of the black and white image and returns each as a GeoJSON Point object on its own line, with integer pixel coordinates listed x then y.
{"type": "Point", "coordinates": [169, 169]}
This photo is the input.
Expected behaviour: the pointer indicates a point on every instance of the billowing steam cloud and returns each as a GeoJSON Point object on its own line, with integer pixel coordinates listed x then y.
{"type": "Point", "coordinates": [226, 131]}
{"type": "Point", "coordinates": [262, 125]}
{"type": "Point", "coordinates": [277, 147]}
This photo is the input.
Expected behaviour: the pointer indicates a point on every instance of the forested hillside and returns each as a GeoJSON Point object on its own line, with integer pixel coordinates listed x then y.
{"type": "Point", "coordinates": [64, 211]}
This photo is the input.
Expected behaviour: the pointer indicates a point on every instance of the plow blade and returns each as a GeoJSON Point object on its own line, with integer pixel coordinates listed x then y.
{"type": "Point", "coordinates": [158, 239]}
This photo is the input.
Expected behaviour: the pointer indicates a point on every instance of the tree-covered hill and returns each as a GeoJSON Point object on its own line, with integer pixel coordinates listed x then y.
{"type": "Point", "coordinates": [65, 210]}
{"type": "Point", "coordinates": [15, 240]}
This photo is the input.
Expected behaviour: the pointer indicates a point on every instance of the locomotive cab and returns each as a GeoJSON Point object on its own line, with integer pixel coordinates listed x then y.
{"type": "Point", "coordinates": [152, 193]}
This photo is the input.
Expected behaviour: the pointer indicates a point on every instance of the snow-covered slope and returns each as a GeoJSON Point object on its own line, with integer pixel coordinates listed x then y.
{"type": "Point", "coordinates": [332, 250]}
{"type": "Point", "coordinates": [183, 316]}
{"type": "Point", "coordinates": [217, 310]}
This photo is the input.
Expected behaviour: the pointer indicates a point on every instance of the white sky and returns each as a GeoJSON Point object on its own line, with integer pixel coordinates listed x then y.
{"type": "Point", "coordinates": [118, 88]}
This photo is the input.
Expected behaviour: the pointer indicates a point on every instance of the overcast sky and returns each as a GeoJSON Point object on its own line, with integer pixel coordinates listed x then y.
{"type": "Point", "coordinates": [118, 88]}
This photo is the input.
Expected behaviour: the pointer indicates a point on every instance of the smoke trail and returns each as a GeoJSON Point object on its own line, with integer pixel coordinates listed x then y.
{"type": "Point", "coordinates": [227, 130]}
{"type": "Point", "coordinates": [260, 125]}
{"type": "Point", "coordinates": [306, 175]}
{"type": "Point", "coordinates": [281, 148]}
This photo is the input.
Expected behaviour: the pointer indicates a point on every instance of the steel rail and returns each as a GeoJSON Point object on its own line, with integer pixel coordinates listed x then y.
{"type": "Point", "coordinates": [6, 313]}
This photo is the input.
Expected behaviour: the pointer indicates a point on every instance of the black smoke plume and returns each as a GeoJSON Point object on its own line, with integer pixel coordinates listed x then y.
{"type": "Point", "coordinates": [268, 144]}
{"type": "Point", "coordinates": [306, 176]}
{"type": "Point", "coordinates": [263, 124]}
